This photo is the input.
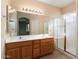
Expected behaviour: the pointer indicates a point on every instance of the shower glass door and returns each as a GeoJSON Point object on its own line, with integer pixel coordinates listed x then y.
{"type": "Point", "coordinates": [71, 33]}
{"type": "Point", "coordinates": [59, 31]}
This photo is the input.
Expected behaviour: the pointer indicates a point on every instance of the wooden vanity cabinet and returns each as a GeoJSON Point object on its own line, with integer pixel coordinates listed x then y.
{"type": "Point", "coordinates": [29, 49]}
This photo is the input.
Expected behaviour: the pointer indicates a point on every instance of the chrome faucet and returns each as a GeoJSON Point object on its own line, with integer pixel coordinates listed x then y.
{"type": "Point", "coordinates": [20, 37]}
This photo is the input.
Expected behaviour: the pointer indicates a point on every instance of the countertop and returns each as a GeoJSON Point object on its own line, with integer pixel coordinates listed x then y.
{"type": "Point", "coordinates": [27, 38]}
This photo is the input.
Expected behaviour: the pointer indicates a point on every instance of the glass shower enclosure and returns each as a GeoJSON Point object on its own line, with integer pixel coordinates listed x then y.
{"type": "Point", "coordinates": [64, 30]}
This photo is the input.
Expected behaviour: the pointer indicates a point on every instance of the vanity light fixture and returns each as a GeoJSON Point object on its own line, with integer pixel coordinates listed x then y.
{"type": "Point", "coordinates": [10, 9]}
{"type": "Point", "coordinates": [22, 8]}
{"type": "Point", "coordinates": [26, 9]}
{"type": "Point", "coordinates": [36, 11]}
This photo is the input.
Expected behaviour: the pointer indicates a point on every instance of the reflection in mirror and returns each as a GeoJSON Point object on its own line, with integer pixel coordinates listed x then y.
{"type": "Point", "coordinates": [12, 21]}
{"type": "Point", "coordinates": [24, 26]}
{"type": "Point", "coordinates": [22, 23]}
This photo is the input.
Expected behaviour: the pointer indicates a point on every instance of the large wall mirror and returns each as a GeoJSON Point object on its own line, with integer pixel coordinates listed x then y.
{"type": "Point", "coordinates": [22, 23]}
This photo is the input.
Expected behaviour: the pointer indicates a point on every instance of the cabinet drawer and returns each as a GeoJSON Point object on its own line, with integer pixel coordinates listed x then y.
{"type": "Point", "coordinates": [36, 42]}
{"type": "Point", "coordinates": [36, 46]}
{"type": "Point", "coordinates": [18, 44]}
{"type": "Point", "coordinates": [47, 41]}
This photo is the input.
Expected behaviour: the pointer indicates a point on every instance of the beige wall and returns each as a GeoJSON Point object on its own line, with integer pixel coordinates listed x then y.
{"type": "Point", "coordinates": [33, 4]}
{"type": "Point", "coordinates": [3, 28]}
{"type": "Point", "coordinates": [70, 8]}
{"type": "Point", "coordinates": [8, 2]}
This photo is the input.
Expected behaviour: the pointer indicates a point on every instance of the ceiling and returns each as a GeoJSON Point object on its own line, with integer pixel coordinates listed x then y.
{"type": "Point", "coordinates": [58, 3]}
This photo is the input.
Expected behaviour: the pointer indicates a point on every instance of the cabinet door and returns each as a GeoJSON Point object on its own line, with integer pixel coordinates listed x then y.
{"type": "Point", "coordinates": [46, 49]}
{"type": "Point", "coordinates": [27, 52]}
{"type": "Point", "coordinates": [43, 49]}
{"type": "Point", "coordinates": [36, 53]}
{"type": "Point", "coordinates": [47, 46]}
{"type": "Point", "coordinates": [13, 54]}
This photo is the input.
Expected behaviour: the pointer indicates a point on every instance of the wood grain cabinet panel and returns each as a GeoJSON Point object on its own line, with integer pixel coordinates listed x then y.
{"type": "Point", "coordinates": [36, 53]}
{"type": "Point", "coordinates": [18, 44]}
{"type": "Point", "coordinates": [36, 41]}
{"type": "Point", "coordinates": [27, 52]}
{"type": "Point", "coordinates": [13, 54]}
{"type": "Point", "coordinates": [36, 48]}
{"type": "Point", "coordinates": [36, 44]}
{"type": "Point", "coordinates": [47, 46]}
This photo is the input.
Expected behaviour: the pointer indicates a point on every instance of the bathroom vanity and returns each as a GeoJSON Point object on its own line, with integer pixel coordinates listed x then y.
{"type": "Point", "coordinates": [28, 36]}
{"type": "Point", "coordinates": [29, 48]}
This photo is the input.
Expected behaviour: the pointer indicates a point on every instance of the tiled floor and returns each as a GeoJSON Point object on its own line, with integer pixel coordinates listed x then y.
{"type": "Point", "coordinates": [57, 55]}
